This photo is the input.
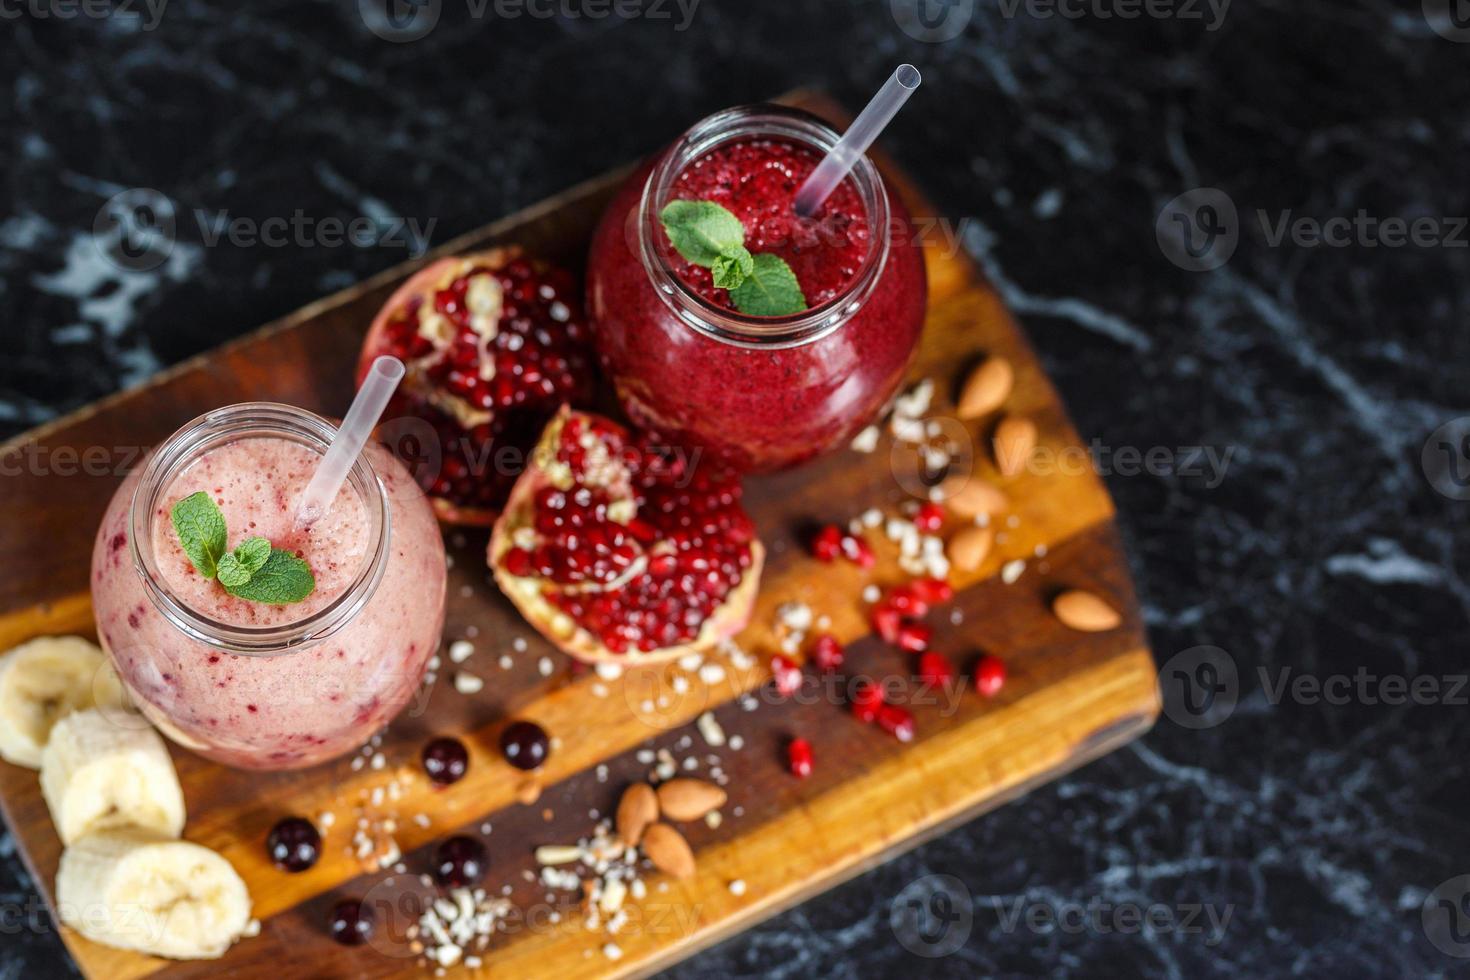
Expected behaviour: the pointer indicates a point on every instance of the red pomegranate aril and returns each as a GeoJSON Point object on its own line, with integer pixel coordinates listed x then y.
{"type": "Point", "coordinates": [914, 637]}
{"type": "Point", "coordinates": [932, 590]}
{"type": "Point", "coordinates": [934, 668]}
{"type": "Point", "coordinates": [786, 674]}
{"type": "Point", "coordinates": [990, 675]}
{"type": "Point", "coordinates": [858, 551]}
{"type": "Point", "coordinates": [908, 601]}
{"type": "Point", "coordinates": [867, 699]}
{"type": "Point", "coordinates": [827, 545]}
{"type": "Point", "coordinates": [799, 757]}
{"type": "Point", "coordinates": [827, 653]}
{"type": "Point", "coordinates": [897, 722]}
{"type": "Point", "coordinates": [887, 621]}
{"type": "Point", "coordinates": [929, 518]}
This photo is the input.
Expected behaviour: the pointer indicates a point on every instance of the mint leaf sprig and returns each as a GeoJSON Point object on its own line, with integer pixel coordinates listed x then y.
{"type": "Point", "coordinates": [254, 571]}
{"type": "Point", "coordinates": [709, 235]}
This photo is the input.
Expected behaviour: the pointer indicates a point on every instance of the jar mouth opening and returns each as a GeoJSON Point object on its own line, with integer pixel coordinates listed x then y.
{"type": "Point", "coordinates": [744, 123]}
{"type": "Point", "coordinates": [255, 420]}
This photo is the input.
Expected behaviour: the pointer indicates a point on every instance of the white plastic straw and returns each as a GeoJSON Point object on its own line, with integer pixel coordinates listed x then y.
{"type": "Point", "coordinates": [855, 142]}
{"type": "Point", "coordinates": [362, 417]}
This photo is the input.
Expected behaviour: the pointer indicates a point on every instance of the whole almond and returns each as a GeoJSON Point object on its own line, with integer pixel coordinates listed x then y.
{"type": "Point", "coordinates": [1015, 439]}
{"type": "Point", "coordinates": [668, 850]}
{"type": "Point", "coordinates": [968, 548]}
{"type": "Point", "coordinates": [1084, 611]}
{"type": "Point", "coordinates": [970, 497]}
{"type": "Point", "coordinates": [987, 387]}
{"type": "Point", "coordinates": [636, 810]}
{"type": "Point", "coordinates": [689, 799]}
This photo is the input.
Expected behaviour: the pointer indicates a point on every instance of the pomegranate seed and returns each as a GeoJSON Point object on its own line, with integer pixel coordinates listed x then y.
{"type": "Point", "coordinates": [827, 653]}
{"type": "Point", "coordinates": [786, 674]}
{"type": "Point", "coordinates": [858, 551]}
{"type": "Point", "coordinates": [934, 668]}
{"type": "Point", "coordinates": [827, 545]}
{"type": "Point", "coordinates": [799, 756]}
{"type": "Point", "coordinates": [866, 700]}
{"type": "Point", "coordinates": [887, 620]}
{"type": "Point", "coordinates": [914, 637]}
{"type": "Point", "coordinates": [897, 722]}
{"type": "Point", "coordinates": [930, 517]}
{"type": "Point", "coordinates": [908, 601]}
{"type": "Point", "coordinates": [990, 675]}
{"type": "Point", "coordinates": [932, 590]}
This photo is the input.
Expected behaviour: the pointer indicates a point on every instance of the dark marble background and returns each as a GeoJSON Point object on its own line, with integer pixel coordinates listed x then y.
{"type": "Point", "coordinates": [1320, 828]}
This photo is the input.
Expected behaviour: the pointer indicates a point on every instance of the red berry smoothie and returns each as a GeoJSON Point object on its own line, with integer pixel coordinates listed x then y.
{"type": "Point", "coordinates": [763, 393]}
{"type": "Point", "coordinates": [262, 686]}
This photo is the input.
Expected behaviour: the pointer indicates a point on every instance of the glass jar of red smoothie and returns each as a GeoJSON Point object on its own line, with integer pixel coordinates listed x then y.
{"type": "Point", "coordinates": [255, 685]}
{"type": "Point", "coordinates": [760, 392]}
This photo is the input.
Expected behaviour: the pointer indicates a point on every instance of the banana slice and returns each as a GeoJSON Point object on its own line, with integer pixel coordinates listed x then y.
{"type": "Point", "coordinates": [100, 772]}
{"type": "Point", "coordinates": [131, 890]}
{"type": "Point", "coordinates": [42, 682]}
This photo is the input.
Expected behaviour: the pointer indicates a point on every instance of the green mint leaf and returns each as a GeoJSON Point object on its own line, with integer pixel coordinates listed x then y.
{"type": "Point", "coordinates": [702, 231]}
{"type": "Point", "coordinates": [252, 554]}
{"type": "Point", "coordinates": [733, 269]}
{"type": "Point", "coordinates": [201, 530]}
{"type": "Point", "coordinates": [231, 572]}
{"type": "Point", "coordinates": [770, 290]}
{"type": "Point", "coordinates": [283, 579]}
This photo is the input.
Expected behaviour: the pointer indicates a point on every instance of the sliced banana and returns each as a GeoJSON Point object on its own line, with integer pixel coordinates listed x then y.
{"type": "Point", "coordinates": [99, 774]}
{"type": "Point", "coordinates": [131, 890]}
{"type": "Point", "coordinates": [42, 682]}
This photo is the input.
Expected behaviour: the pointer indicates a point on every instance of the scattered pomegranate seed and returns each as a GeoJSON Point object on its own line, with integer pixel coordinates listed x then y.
{"type": "Point", "coordinates": [799, 755]}
{"type": "Point", "coordinates": [930, 517]}
{"type": "Point", "coordinates": [827, 653]}
{"type": "Point", "coordinates": [827, 545]}
{"type": "Point", "coordinates": [897, 722]}
{"type": "Point", "coordinates": [887, 620]}
{"type": "Point", "coordinates": [866, 700]}
{"type": "Point", "coordinates": [990, 675]}
{"type": "Point", "coordinates": [914, 637]}
{"type": "Point", "coordinates": [908, 600]}
{"type": "Point", "coordinates": [858, 551]}
{"type": "Point", "coordinates": [786, 674]}
{"type": "Point", "coordinates": [932, 590]}
{"type": "Point", "coordinates": [934, 668]}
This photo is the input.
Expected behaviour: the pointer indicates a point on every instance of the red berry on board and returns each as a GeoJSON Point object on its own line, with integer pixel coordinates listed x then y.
{"type": "Point", "coordinates": [799, 756]}
{"type": "Point", "coordinates": [827, 653]}
{"type": "Point", "coordinates": [887, 620]}
{"type": "Point", "coordinates": [827, 545]}
{"type": "Point", "coordinates": [932, 590]}
{"type": "Point", "coordinates": [858, 551]}
{"type": "Point", "coordinates": [786, 674]}
{"type": "Point", "coordinates": [934, 668]}
{"type": "Point", "coordinates": [914, 637]}
{"type": "Point", "coordinates": [897, 722]}
{"type": "Point", "coordinates": [908, 601]}
{"type": "Point", "coordinates": [929, 518]}
{"type": "Point", "coordinates": [990, 675]}
{"type": "Point", "coordinates": [866, 700]}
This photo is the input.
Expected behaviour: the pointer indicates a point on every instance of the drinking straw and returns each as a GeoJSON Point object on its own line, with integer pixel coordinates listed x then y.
{"type": "Point", "coordinates": [855, 142]}
{"type": "Point", "coordinates": [353, 434]}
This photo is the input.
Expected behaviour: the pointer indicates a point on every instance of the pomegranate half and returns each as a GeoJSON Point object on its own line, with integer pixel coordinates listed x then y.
{"type": "Point", "coordinates": [617, 549]}
{"type": "Point", "coordinates": [494, 343]}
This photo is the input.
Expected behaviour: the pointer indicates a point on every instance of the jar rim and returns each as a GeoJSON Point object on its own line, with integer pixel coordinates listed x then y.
{"type": "Point", "coordinates": [233, 423]}
{"type": "Point", "coordinates": [728, 326]}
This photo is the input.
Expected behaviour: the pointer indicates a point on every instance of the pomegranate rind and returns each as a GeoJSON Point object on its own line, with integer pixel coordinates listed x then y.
{"type": "Point", "coordinates": [526, 592]}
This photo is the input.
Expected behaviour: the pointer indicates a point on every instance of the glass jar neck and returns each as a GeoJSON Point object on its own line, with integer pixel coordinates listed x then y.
{"type": "Point", "coordinates": [728, 326]}
{"type": "Point", "coordinates": [254, 420]}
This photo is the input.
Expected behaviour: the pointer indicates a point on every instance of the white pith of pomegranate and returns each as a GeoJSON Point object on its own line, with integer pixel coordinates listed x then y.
{"type": "Point", "coordinates": [494, 343]}
{"type": "Point", "coordinates": [616, 550]}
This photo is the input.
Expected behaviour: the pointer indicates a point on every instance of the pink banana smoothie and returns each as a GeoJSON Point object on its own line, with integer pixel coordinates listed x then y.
{"type": "Point", "coordinates": [309, 701]}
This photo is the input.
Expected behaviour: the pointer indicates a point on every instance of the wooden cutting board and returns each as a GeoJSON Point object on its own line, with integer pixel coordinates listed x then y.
{"type": "Point", "coordinates": [1070, 696]}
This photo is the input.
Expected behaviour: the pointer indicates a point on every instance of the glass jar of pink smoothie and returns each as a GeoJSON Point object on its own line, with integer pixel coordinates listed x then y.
{"type": "Point", "coordinates": [763, 393]}
{"type": "Point", "coordinates": [262, 686]}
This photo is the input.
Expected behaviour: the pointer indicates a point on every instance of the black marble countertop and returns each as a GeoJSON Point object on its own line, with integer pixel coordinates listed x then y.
{"type": "Point", "coordinates": [1325, 538]}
